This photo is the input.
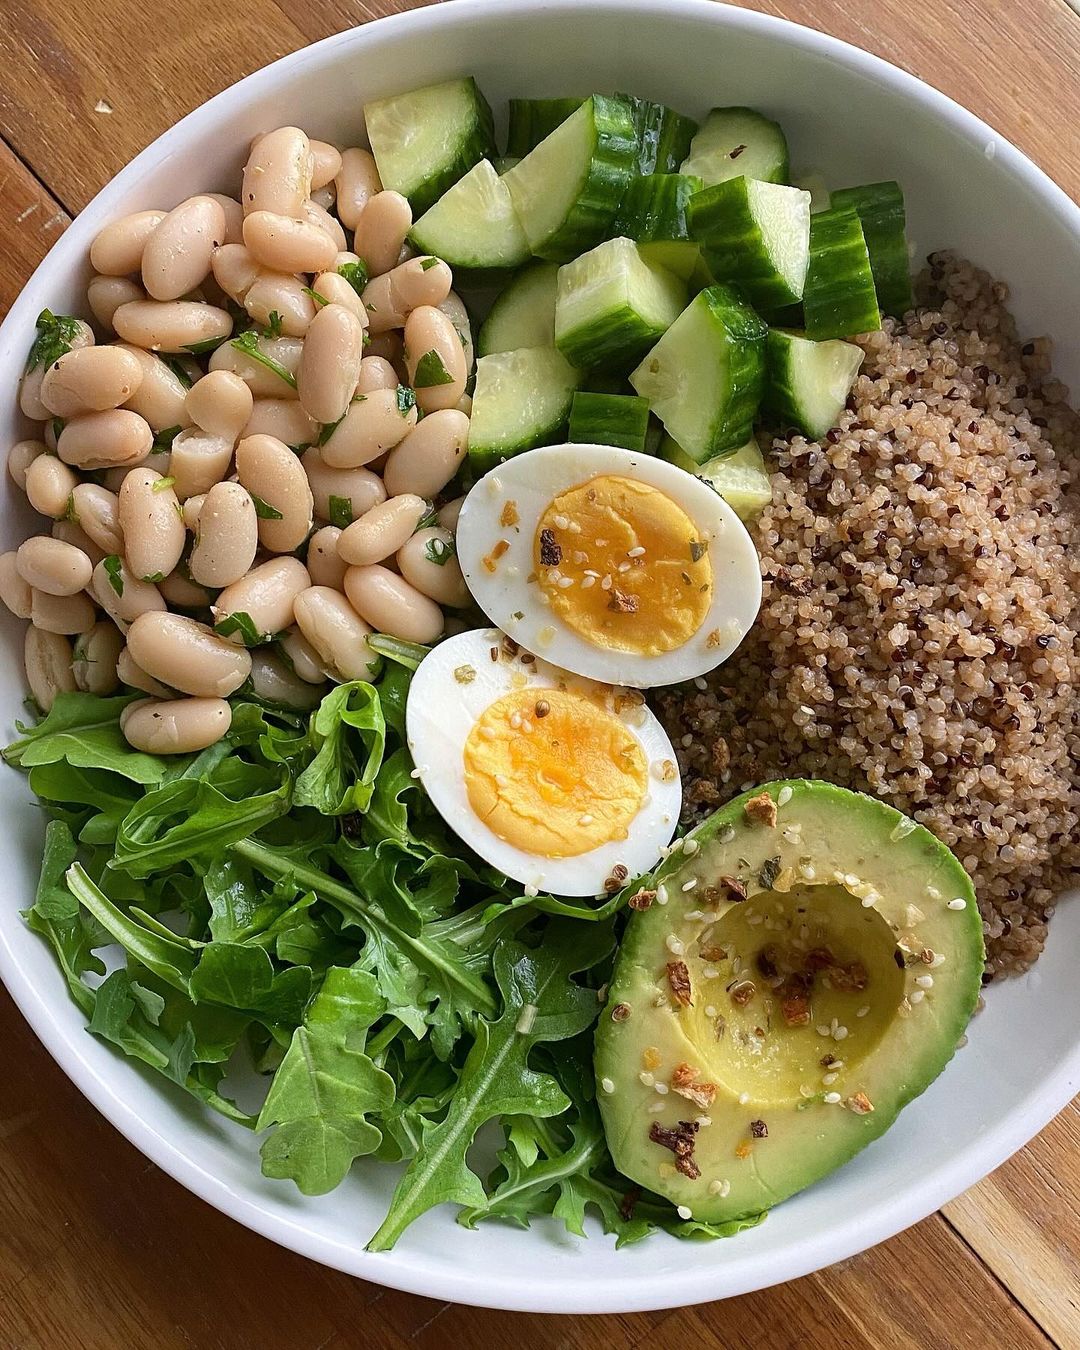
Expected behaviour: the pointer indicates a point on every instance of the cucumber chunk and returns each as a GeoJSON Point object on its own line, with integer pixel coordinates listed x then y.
{"type": "Point", "coordinates": [880, 208]}
{"type": "Point", "coordinates": [609, 419]}
{"type": "Point", "coordinates": [738, 143]}
{"type": "Point", "coordinates": [814, 183]}
{"type": "Point", "coordinates": [654, 214]}
{"type": "Point", "coordinates": [839, 297]}
{"type": "Point", "coordinates": [524, 314]}
{"type": "Point", "coordinates": [474, 224]}
{"type": "Point", "coordinates": [664, 136]}
{"type": "Point", "coordinates": [611, 305]}
{"type": "Point", "coordinates": [705, 377]}
{"type": "Point", "coordinates": [521, 400]}
{"type": "Point", "coordinates": [424, 141]}
{"type": "Point", "coordinates": [807, 383]}
{"type": "Point", "coordinates": [755, 234]}
{"type": "Point", "coordinates": [531, 119]}
{"type": "Point", "coordinates": [567, 190]}
{"type": "Point", "coordinates": [741, 478]}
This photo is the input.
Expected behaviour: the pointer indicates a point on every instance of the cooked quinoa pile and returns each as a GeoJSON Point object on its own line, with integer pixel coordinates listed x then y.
{"type": "Point", "coordinates": [918, 633]}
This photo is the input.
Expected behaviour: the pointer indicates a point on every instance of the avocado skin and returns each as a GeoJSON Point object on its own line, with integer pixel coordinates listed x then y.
{"type": "Point", "coordinates": [806, 1138]}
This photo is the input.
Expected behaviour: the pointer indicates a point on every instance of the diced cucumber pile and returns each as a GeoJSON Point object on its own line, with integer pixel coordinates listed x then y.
{"type": "Point", "coordinates": [662, 285]}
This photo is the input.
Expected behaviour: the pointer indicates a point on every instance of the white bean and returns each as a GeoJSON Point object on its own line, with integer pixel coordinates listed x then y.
{"type": "Point", "coordinates": [21, 455]}
{"type": "Point", "coordinates": [176, 727]}
{"type": "Point", "coordinates": [337, 633]}
{"type": "Point", "coordinates": [429, 456]}
{"type": "Point", "coordinates": [94, 659]}
{"type": "Point", "coordinates": [391, 347]}
{"type": "Point", "coordinates": [121, 594]}
{"type": "Point", "coordinates": [160, 397]}
{"type": "Point", "coordinates": [183, 593]}
{"type": "Point", "coordinates": [340, 495]}
{"type": "Point", "coordinates": [447, 516]}
{"type": "Point", "coordinates": [335, 290]}
{"type": "Point", "coordinates": [151, 524]}
{"type": "Point", "coordinates": [171, 325]}
{"type": "Point", "coordinates": [389, 299]}
{"type": "Point", "coordinates": [265, 597]}
{"type": "Point", "coordinates": [105, 295]}
{"type": "Point", "coordinates": [435, 359]}
{"type": "Point", "coordinates": [272, 473]}
{"type": "Point", "coordinates": [102, 440]}
{"type": "Point", "coordinates": [277, 176]}
{"type": "Point", "coordinates": [380, 232]}
{"type": "Point", "coordinates": [323, 563]}
{"type": "Point", "coordinates": [380, 532]}
{"type": "Point", "coordinates": [188, 655]}
{"type": "Point", "coordinates": [49, 485]}
{"type": "Point", "coordinates": [320, 217]}
{"type": "Point", "coordinates": [372, 425]}
{"type": "Point", "coordinates": [427, 561]}
{"type": "Point", "coordinates": [67, 614]}
{"type": "Point", "coordinates": [97, 511]}
{"type": "Point", "coordinates": [234, 217]}
{"type": "Point", "coordinates": [454, 309]}
{"type": "Point", "coordinates": [176, 256]}
{"type": "Point", "coordinates": [193, 511]}
{"type": "Point", "coordinates": [90, 379]}
{"type": "Point", "coordinates": [15, 590]}
{"type": "Point", "coordinates": [198, 460]}
{"type": "Point", "coordinates": [235, 270]}
{"type": "Point", "coordinates": [284, 295]}
{"type": "Point", "coordinates": [284, 244]}
{"type": "Point", "coordinates": [51, 565]}
{"type": "Point", "coordinates": [357, 181]}
{"type": "Point", "coordinates": [283, 418]}
{"type": "Point", "coordinates": [325, 163]}
{"type": "Point", "coordinates": [391, 605]}
{"type": "Point", "coordinates": [129, 672]}
{"type": "Point", "coordinates": [376, 373]}
{"type": "Point", "coordinates": [227, 538]}
{"type": "Point", "coordinates": [117, 249]}
{"type": "Point", "coordinates": [330, 363]}
{"type": "Point", "coordinates": [47, 657]}
{"type": "Point", "coordinates": [302, 656]}
{"type": "Point", "coordinates": [274, 681]}
{"type": "Point", "coordinates": [324, 196]}
{"type": "Point", "coordinates": [259, 378]}
{"type": "Point", "coordinates": [71, 533]}
{"type": "Point", "coordinates": [220, 403]}
{"type": "Point", "coordinates": [80, 335]}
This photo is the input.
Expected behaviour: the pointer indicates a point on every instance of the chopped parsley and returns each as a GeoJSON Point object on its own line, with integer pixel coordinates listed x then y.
{"type": "Point", "coordinates": [55, 335]}
{"type": "Point", "coordinates": [239, 623]}
{"type": "Point", "coordinates": [439, 551]}
{"type": "Point", "coordinates": [177, 367]}
{"type": "Point", "coordinates": [406, 399]}
{"type": "Point", "coordinates": [341, 512]}
{"type": "Point", "coordinates": [248, 343]}
{"type": "Point", "coordinates": [115, 571]}
{"type": "Point", "coordinates": [273, 324]}
{"type": "Point", "coordinates": [263, 509]}
{"type": "Point", "coordinates": [426, 264]}
{"type": "Point", "coordinates": [207, 345]}
{"type": "Point", "coordinates": [356, 274]}
{"type": "Point", "coordinates": [431, 371]}
{"type": "Point", "coordinates": [315, 295]}
{"type": "Point", "coordinates": [163, 485]}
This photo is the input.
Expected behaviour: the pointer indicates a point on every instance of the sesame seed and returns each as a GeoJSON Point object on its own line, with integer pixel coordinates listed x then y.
{"type": "Point", "coordinates": [933, 893]}
{"type": "Point", "coordinates": [715, 1187]}
{"type": "Point", "coordinates": [823, 1031]}
{"type": "Point", "coordinates": [531, 890]}
{"type": "Point", "coordinates": [851, 880]}
{"type": "Point", "coordinates": [840, 1034]}
{"type": "Point", "coordinates": [590, 573]}
{"type": "Point", "coordinates": [868, 901]}
{"type": "Point", "coordinates": [684, 1212]}
{"type": "Point", "coordinates": [783, 796]}
{"type": "Point", "coordinates": [605, 584]}
{"type": "Point", "coordinates": [488, 733]}
{"type": "Point", "coordinates": [833, 1098]}
{"type": "Point", "coordinates": [646, 1079]}
{"type": "Point", "coordinates": [654, 1108]}
{"type": "Point", "coordinates": [700, 684]}
{"type": "Point", "coordinates": [661, 1089]}
{"type": "Point", "coordinates": [674, 946]}
{"type": "Point", "coordinates": [710, 973]}
{"type": "Point", "coordinates": [565, 583]}
{"type": "Point", "coordinates": [580, 557]}
{"type": "Point", "coordinates": [690, 847]}
{"type": "Point", "coordinates": [687, 741]}
{"type": "Point", "coordinates": [662, 895]}
{"type": "Point", "coordinates": [587, 582]}
{"type": "Point", "coordinates": [726, 834]}
{"type": "Point", "coordinates": [744, 1097]}
{"type": "Point", "coordinates": [501, 780]}
{"type": "Point", "coordinates": [916, 995]}
{"type": "Point", "coordinates": [561, 522]}
{"type": "Point", "coordinates": [725, 1187]}
{"type": "Point", "coordinates": [526, 726]}
{"type": "Point", "coordinates": [607, 1085]}
{"type": "Point", "coordinates": [924, 981]}
{"type": "Point", "coordinates": [704, 1121]}
{"type": "Point", "coordinates": [586, 819]}
{"type": "Point", "coordinates": [689, 885]}
{"type": "Point", "coordinates": [710, 1011]}
{"type": "Point", "coordinates": [415, 773]}
{"type": "Point", "coordinates": [638, 552]}
{"type": "Point", "coordinates": [863, 1010]}
{"type": "Point", "coordinates": [574, 527]}
{"type": "Point", "coordinates": [830, 1078]}
{"type": "Point", "coordinates": [695, 915]}
{"type": "Point", "coordinates": [961, 1042]}
{"type": "Point", "coordinates": [958, 903]}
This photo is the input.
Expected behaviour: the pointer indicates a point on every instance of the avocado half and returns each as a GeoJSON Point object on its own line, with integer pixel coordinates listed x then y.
{"type": "Point", "coordinates": [798, 970]}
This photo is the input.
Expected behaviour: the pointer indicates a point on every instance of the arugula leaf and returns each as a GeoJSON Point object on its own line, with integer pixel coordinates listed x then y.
{"type": "Point", "coordinates": [59, 918]}
{"type": "Point", "coordinates": [325, 1088]}
{"type": "Point", "coordinates": [206, 346]}
{"type": "Point", "coordinates": [540, 1003]}
{"type": "Point", "coordinates": [430, 371]}
{"type": "Point", "coordinates": [340, 511]}
{"type": "Point", "coordinates": [55, 335]}
{"type": "Point", "coordinates": [238, 975]}
{"type": "Point", "coordinates": [248, 343]}
{"type": "Point", "coordinates": [338, 779]}
{"type": "Point", "coordinates": [84, 730]}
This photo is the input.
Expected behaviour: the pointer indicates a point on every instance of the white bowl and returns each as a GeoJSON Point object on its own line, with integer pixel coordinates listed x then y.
{"type": "Point", "coordinates": [856, 119]}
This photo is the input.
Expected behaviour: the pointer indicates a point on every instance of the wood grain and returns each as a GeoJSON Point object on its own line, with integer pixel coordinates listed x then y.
{"type": "Point", "coordinates": [99, 1250]}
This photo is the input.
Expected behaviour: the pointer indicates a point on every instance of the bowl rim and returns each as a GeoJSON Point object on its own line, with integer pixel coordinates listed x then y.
{"type": "Point", "coordinates": [934, 1186]}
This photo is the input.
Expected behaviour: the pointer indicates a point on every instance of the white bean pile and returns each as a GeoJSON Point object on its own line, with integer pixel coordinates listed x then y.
{"type": "Point", "coordinates": [244, 460]}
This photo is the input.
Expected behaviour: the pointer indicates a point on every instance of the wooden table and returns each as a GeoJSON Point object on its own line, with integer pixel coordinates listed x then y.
{"type": "Point", "coordinates": [99, 1250]}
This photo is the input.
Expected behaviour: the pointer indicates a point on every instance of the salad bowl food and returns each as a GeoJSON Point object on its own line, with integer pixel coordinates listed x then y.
{"type": "Point", "coordinates": [536, 972]}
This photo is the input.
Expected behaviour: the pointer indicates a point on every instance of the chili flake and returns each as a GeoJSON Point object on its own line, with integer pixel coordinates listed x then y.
{"type": "Point", "coordinates": [743, 993]}
{"type": "Point", "coordinates": [491, 559]}
{"type": "Point", "coordinates": [509, 515]}
{"type": "Point", "coordinates": [770, 870]}
{"type": "Point", "coordinates": [620, 1012]}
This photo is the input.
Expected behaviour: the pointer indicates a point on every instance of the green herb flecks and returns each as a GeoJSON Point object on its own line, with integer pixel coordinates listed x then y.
{"type": "Point", "coordinates": [56, 333]}
{"type": "Point", "coordinates": [248, 343]}
{"type": "Point", "coordinates": [439, 551]}
{"type": "Point", "coordinates": [356, 274]}
{"type": "Point", "coordinates": [431, 371]}
{"type": "Point", "coordinates": [340, 511]}
{"type": "Point", "coordinates": [263, 509]}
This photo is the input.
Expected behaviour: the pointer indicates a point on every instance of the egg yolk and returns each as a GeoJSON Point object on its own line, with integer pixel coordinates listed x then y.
{"type": "Point", "coordinates": [553, 774]}
{"type": "Point", "coordinates": [623, 566]}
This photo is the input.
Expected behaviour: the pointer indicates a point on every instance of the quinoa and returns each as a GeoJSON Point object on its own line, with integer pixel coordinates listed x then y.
{"type": "Point", "coordinates": [918, 631]}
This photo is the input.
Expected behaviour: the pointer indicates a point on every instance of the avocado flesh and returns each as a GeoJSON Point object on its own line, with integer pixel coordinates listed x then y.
{"type": "Point", "coordinates": [855, 911]}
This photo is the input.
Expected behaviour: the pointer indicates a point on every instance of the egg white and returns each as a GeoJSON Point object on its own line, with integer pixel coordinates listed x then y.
{"type": "Point", "coordinates": [511, 601]}
{"type": "Point", "coordinates": [439, 716]}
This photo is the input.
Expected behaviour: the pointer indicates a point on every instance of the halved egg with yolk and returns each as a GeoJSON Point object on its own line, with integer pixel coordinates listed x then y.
{"type": "Point", "coordinates": [561, 783]}
{"type": "Point", "coordinates": [610, 563]}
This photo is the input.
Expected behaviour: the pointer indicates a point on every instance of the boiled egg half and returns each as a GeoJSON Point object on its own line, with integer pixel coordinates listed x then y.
{"type": "Point", "coordinates": [563, 784]}
{"type": "Point", "coordinates": [610, 563]}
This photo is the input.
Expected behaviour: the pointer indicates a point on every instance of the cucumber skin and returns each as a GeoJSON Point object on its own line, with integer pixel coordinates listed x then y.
{"type": "Point", "coordinates": [531, 119]}
{"type": "Point", "coordinates": [611, 166]}
{"type": "Point", "coordinates": [721, 220]}
{"type": "Point", "coordinates": [782, 402]}
{"type": "Point", "coordinates": [664, 136]}
{"type": "Point", "coordinates": [482, 457]}
{"type": "Point", "coordinates": [840, 298]}
{"type": "Point", "coordinates": [656, 208]}
{"type": "Point", "coordinates": [537, 277]}
{"type": "Point", "coordinates": [609, 419]}
{"type": "Point", "coordinates": [880, 208]}
{"type": "Point", "coordinates": [480, 146]}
